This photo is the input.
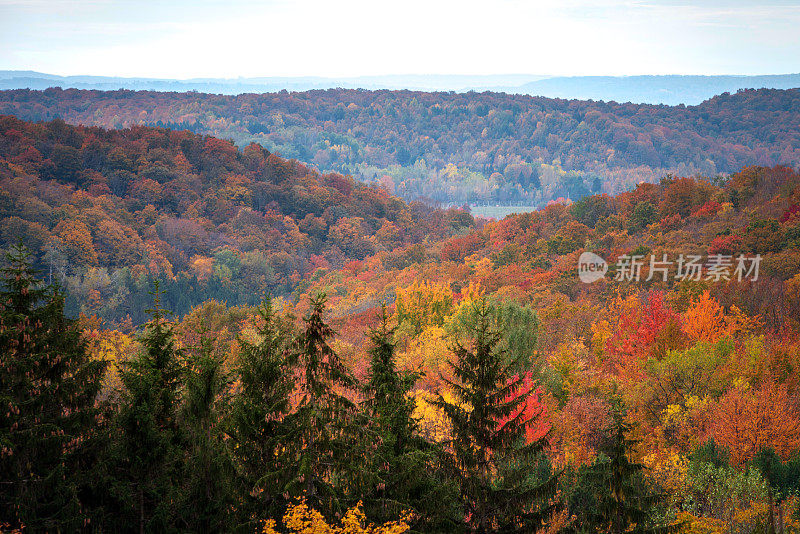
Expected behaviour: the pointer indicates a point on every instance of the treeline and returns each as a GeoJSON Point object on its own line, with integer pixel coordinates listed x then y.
{"type": "Point", "coordinates": [192, 443]}
{"type": "Point", "coordinates": [103, 210]}
{"type": "Point", "coordinates": [462, 147]}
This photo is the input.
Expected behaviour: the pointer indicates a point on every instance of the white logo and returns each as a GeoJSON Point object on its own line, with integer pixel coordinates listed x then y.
{"type": "Point", "coordinates": [591, 267]}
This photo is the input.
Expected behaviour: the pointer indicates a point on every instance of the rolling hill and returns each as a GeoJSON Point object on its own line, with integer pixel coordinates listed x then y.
{"type": "Point", "coordinates": [105, 212]}
{"type": "Point", "coordinates": [462, 147]}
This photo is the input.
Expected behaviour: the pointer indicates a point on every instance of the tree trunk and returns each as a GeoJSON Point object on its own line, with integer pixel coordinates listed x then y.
{"type": "Point", "coordinates": [141, 511]}
{"type": "Point", "coordinates": [772, 529]}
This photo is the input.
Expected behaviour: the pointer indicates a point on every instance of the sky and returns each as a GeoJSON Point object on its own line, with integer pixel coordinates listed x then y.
{"type": "Point", "coordinates": [338, 38]}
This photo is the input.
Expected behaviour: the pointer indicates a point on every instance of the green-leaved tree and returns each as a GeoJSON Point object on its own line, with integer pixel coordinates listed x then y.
{"type": "Point", "coordinates": [403, 472]}
{"type": "Point", "coordinates": [323, 436]}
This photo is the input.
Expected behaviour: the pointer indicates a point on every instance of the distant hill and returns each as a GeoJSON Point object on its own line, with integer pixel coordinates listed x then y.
{"type": "Point", "coordinates": [458, 148]}
{"type": "Point", "coordinates": [234, 86]}
{"type": "Point", "coordinates": [671, 89]}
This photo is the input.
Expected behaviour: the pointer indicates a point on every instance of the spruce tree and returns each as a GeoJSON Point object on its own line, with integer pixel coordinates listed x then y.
{"type": "Point", "coordinates": [257, 425]}
{"type": "Point", "coordinates": [387, 403]}
{"type": "Point", "coordinates": [493, 465]}
{"type": "Point", "coordinates": [614, 495]}
{"type": "Point", "coordinates": [322, 440]}
{"type": "Point", "coordinates": [48, 419]}
{"type": "Point", "coordinates": [403, 471]}
{"type": "Point", "coordinates": [783, 481]}
{"type": "Point", "coordinates": [206, 497]}
{"type": "Point", "coordinates": [147, 446]}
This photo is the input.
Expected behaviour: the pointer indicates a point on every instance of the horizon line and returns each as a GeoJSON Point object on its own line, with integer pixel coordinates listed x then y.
{"type": "Point", "coordinates": [420, 75]}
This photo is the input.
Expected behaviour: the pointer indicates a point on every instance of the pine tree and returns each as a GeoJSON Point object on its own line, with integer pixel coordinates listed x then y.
{"type": "Point", "coordinates": [147, 443]}
{"type": "Point", "coordinates": [619, 500]}
{"type": "Point", "coordinates": [492, 462]}
{"type": "Point", "coordinates": [207, 496]}
{"type": "Point", "coordinates": [48, 419]}
{"type": "Point", "coordinates": [322, 440]}
{"type": "Point", "coordinates": [257, 426]}
{"type": "Point", "coordinates": [403, 471]}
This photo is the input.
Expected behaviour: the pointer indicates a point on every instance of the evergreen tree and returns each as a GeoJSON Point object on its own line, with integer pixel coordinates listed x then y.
{"type": "Point", "coordinates": [147, 443]}
{"type": "Point", "coordinates": [206, 498]}
{"type": "Point", "coordinates": [257, 425]}
{"type": "Point", "coordinates": [386, 390]}
{"type": "Point", "coordinates": [783, 479]}
{"type": "Point", "coordinates": [403, 471]}
{"type": "Point", "coordinates": [322, 440]}
{"type": "Point", "coordinates": [614, 497]}
{"type": "Point", "coordinates": [48, 419]}
{"type": "Point", "coordinates": [494, 466]}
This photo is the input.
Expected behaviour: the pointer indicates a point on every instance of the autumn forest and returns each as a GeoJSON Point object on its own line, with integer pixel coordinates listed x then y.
{"type": "Point", "coordinates": [278, 313]}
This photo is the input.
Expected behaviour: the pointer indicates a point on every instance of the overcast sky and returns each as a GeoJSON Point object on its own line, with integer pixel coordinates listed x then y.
{"type": "Point", "coordinates": [230, 38]}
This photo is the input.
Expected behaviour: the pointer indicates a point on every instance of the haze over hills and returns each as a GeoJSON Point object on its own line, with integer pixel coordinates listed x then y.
{"type": "Point", "coordinates": [671, 90]}
{"type": "Point", "coordinates": [661, 89]}
{"type": "Point", "coordinates": [240, 85]}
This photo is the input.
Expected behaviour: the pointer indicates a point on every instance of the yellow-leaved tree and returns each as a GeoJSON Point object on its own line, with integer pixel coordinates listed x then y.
{"type": "Point", "coordinates": [423, 304]}
{"type": "Point", "coordinates": [111, 346]}
{"type": "Point", "coordinates": [427, 352]}
{"type": "Point", "coordinates": [301, 519]}
{"type": "Point", "coordinates": [433, 423]}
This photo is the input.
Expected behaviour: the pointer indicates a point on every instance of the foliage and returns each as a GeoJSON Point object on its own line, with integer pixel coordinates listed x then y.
{"type": "Point", "coordinates": [521, 147]}
{"type": "Point", "coordinates": [424, 304]}
{"type": "Point", "coordinates": [519, 324]}
{"type": "Point", "coordinates": [273, 408]}
{"type": "Point", "coordinates": [748, 421]}
{"type": "Point", "coordinates": [301, 519]}
{"type": "Point", "coordinates": [720, 493]}
{"type": "Point", "coordinates": [209, 221]}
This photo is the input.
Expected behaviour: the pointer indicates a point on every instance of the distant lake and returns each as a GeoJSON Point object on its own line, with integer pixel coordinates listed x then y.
{"type": "Point", "coordinates": [500, 211]}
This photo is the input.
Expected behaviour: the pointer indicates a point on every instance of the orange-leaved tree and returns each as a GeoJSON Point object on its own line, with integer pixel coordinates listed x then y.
{"type": "Point", "coordinates": [748, 421]}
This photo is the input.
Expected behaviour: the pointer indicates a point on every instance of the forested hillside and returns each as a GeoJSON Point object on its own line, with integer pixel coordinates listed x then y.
{"type": "Point", "coordinates": [416, 369]}
{"type": "Point", "coordinates": [457, 148]}
{"type": "Point", "coordinates": [704, 364]}
{"type": "Point", "coordinates": [103, 211]}
{"type": "Point", "coordinates": [289, 293]}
